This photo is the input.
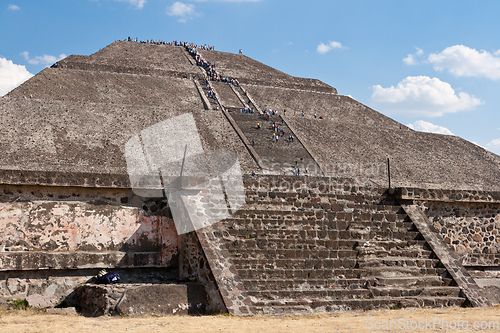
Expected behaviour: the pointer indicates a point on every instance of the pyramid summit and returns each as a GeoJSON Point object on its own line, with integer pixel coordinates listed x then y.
{"type": "Point", "coordinates": [323, 204]}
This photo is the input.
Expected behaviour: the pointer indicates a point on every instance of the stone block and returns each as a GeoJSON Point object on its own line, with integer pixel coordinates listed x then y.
{"type": "Point", "coordinates": [62, 311]}
{"type": "Point", "coordinates": [42, 302]}
{"type": "Point", "coordinates": [142, 299]}
{"type": "Point", "coordinates": [154, 300]}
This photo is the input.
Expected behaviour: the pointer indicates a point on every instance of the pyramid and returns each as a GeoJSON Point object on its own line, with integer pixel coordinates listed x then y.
{"type": "Point", "coordinates": [78, 116]}
{"type": "Point", "coordinates": [346, 210]}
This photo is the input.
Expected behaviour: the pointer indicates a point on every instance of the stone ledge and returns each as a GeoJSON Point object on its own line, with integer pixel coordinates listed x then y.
{"type": "Point", "coordinates": [127, 70]}
{"type": "Point", "coordinates": [56, 178]}
{"type": "Point", "coordinates": [25, 260]}
{"type": "Point", "coordinates": [289, 86]}
{"type": "Point", "coordinates": [412, 193]}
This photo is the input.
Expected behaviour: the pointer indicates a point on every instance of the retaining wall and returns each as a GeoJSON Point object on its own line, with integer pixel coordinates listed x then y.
{"type": "Point", "coordinates": [54, 238]}
{"type": "Point", "coordinates": [470, 229]}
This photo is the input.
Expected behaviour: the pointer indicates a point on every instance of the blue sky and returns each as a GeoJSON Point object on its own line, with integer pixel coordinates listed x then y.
{"type": "Point", "coordinates": [432, 64]}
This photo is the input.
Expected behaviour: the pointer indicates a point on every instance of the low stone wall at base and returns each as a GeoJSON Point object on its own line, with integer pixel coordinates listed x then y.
{"type": "Point", "coordinates": [142, 299]}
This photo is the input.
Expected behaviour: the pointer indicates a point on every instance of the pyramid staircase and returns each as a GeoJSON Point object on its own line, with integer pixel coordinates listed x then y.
{"type": "Point", "coordinates": [301, 252]}
{"type": "Point", "coordinates": [283, 155]}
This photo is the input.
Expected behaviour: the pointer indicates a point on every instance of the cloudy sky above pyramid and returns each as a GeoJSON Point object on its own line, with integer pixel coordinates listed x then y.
{"type": "Point", "coordinates": [433, 65]}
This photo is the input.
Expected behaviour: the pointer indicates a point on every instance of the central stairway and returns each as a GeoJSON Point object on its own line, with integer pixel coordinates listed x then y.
{"type": "Point", "coordinates": [281, 156]}
{"type": "Point", "coordinates": [303, 252]}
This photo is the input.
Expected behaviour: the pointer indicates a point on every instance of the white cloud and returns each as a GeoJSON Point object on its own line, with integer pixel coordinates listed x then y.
{"type": "Point", "coordinates": [184, 11]}
{"type": "Point", "coordinates": [425, 126]}
{"type": "Point", "coordinates": [494, 146]}
{"type": "Point", "coordinates": [11, 75]}
{"type": "Point", "coordinates": [13, 7]}
{"type": "Point", "coordinates": [422, 96]}
{"type": "Point", "coordinates": [324, 48]}
{"type": "Point", "coordinates": [136, 3]}
{"type": "Point", "coordinates": [461, 60]}
{"type": "Point", "coordinates": [411, 59]}
{"type": "Point", "coordinates": [43, 60]}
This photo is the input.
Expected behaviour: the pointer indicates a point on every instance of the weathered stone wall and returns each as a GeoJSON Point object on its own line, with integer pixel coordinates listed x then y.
{"type": "Point", "coordinates": [54, 238]}
{"type": "Point", "coordinates": [193, 266]}
{"type": "Point", "coordinates": [36, 218]}
{"type": "Point", "coordinates": [445, 195]}
{"type": "Point", "coordinates": [467, 220]}
{"type": "Point", "coordinates": [470, 229]}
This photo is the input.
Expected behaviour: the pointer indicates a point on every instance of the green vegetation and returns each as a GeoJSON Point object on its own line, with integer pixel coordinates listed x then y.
{"type": "Point", "coordinates": [20, 304]}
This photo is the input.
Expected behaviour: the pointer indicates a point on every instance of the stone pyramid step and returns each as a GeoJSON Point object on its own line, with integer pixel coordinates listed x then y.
{"type": "Point", "coordinates": [441, 291]}
{"type": "Point", "coordinates": [322, 273]}
{"type": "Point", "coordinates": [393, 261]}
{"type": "Point", "coordinates": [283, 233]}
{"type": "Point", "coordinates": [326, 263]}
{"type": "Point", "coordinates": [238, 244]}
{"type": "Point", "coordinates": [322, 305]}
{"type": "Point", "coordinates": [291, 219]}
{"type": "Point", "coordinates": [227, 97]}
{"type": "Point", "coordinates": [332, 294]}
{"type": "Point", "coordinates": [333, 283]}
{"type": "Point", "coordinates": [136, 299]}
{"type": "Point", "coordinates": [329, 294]}
{"type": "Point", "coordinates": [278, 254]}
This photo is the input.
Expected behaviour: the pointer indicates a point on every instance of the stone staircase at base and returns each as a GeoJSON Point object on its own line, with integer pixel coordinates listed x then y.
{"type": "Point", "coordinates": [295, 258]}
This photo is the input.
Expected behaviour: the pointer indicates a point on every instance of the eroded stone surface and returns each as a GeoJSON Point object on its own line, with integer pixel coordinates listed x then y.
{"type": "Point", "coordinates": [471, 230]}
{"type": "Point", "coordinates": [142, 299]}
